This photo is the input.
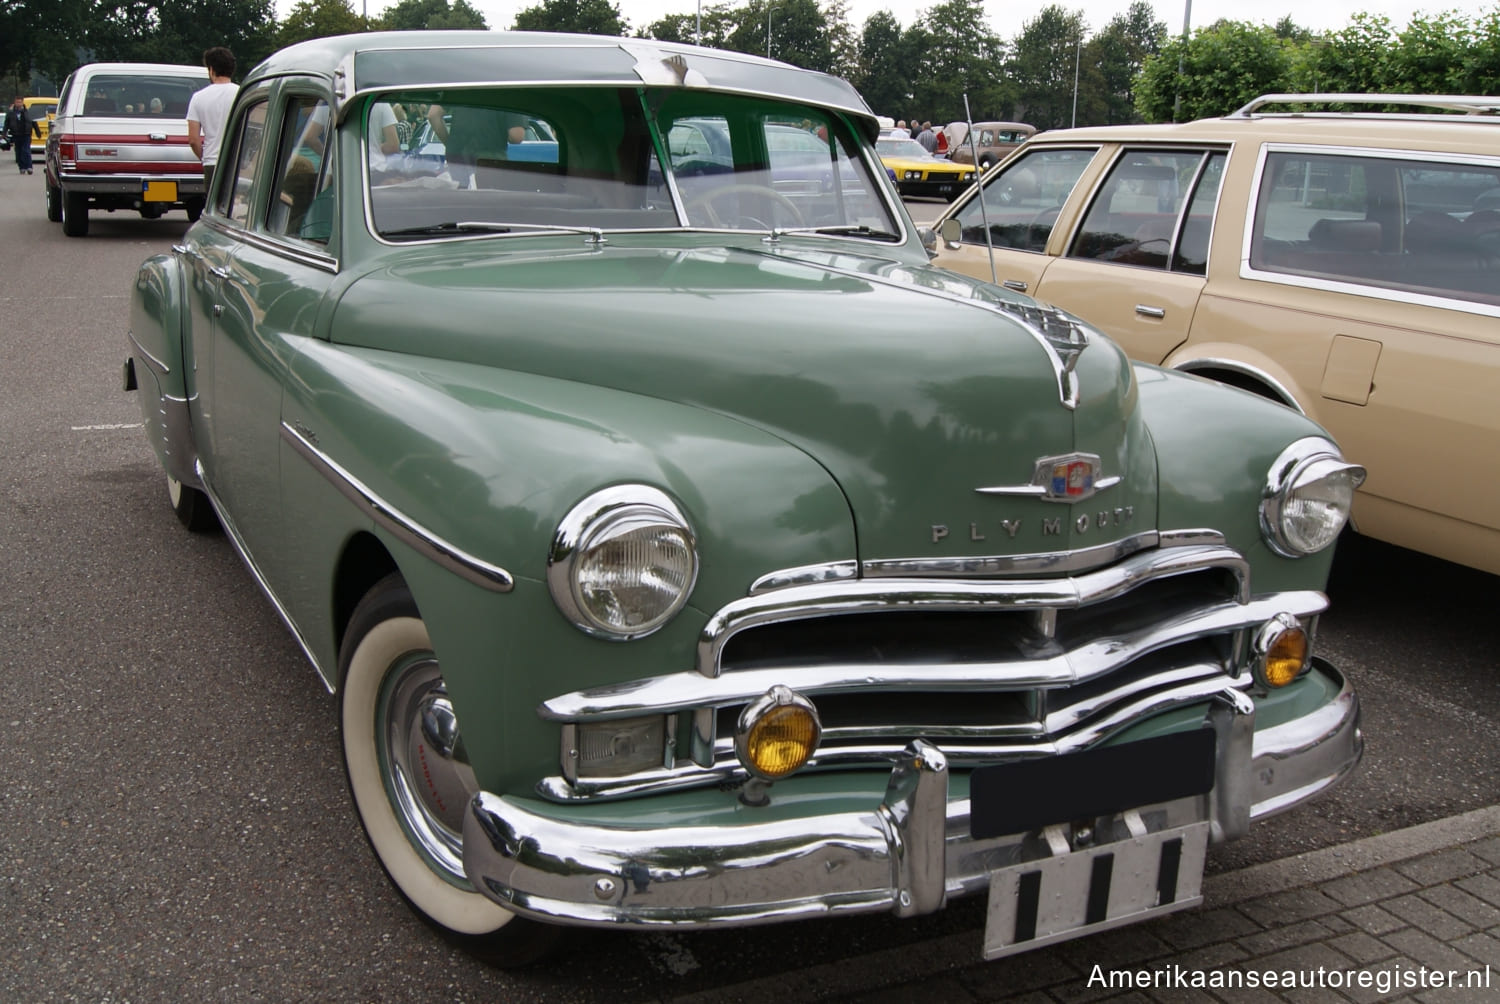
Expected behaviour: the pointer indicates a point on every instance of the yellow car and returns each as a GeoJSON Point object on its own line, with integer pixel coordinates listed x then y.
{"type": "Point", "coordinates": [41, 111]}
{"type": "Point", "coordinates": [919, 172]}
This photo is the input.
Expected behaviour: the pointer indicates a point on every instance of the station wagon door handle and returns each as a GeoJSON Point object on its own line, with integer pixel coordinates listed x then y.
{"type": "Point", "coordinates": [1016, 284]}
{"type": "Point", "coordinates": [1145, 311]}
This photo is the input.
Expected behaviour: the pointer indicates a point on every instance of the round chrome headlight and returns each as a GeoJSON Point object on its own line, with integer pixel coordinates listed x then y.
{"type": "Point", "coordinates": [1307, 498]}
{"type": "Point", "coordinates": [623, 562]}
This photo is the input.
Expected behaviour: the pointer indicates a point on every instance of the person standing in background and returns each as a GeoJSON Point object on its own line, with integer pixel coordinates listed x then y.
{"type": "Point", "coordinates": [18, 130]}
{"type": "Point", "coordinates": [209, 108]}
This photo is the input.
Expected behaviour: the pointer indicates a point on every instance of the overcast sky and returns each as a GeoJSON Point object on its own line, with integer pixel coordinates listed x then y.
{"type": "Point", "coordinates": [1007, 17]}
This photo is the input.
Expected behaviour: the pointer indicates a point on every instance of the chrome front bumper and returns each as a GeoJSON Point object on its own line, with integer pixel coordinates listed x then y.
{"type": "Point", "coordinates": [908, 854]}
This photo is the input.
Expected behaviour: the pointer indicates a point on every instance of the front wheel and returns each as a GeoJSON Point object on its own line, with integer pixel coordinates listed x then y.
{"type": "Point", "coordinates": [410, 780]}
{"type": "Point", "coordinates": [75, 213]}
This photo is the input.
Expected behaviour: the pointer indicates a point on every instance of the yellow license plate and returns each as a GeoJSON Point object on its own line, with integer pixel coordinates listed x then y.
{"type": "Point", "coordinates": [159, 191]}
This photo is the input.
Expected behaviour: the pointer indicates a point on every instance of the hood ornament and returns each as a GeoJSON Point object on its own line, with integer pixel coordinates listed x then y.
{"type": "Point", "coordinates": [1069, 477]}
{"type": "Point", "coordinates": [1061, 333]}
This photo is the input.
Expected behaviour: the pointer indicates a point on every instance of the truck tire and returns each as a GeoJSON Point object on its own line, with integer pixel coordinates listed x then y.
{"type": "Point", "coordinates": [75, 214]}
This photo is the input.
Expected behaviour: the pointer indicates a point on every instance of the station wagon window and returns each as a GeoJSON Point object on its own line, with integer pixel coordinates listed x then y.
{"type": "Point", "coordinates": [1021, 203]}
{"type": "Point", "coordinates": [1135, 216]}
{"type": "Point", "coordinates": [302, 172]}
{"type": "Point", "coordinates": [243, 161]}
{"type": "Point", "coordinates": [1395, 223]}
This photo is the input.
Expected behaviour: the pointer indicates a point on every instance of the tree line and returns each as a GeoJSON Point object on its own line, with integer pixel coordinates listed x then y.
{"type": "Point", "coordinates": [1055, 72]}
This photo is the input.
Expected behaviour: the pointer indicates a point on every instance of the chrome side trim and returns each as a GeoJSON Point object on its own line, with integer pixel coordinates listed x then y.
{"type": "Point", "coordinates": [1191, 538]}
{"type": "Point", "coordinates": [475, 570]}
{"type": "Point", "coordinates": [238, 543]}
{"type": "Point", "coordinates": [834, 571]}
{"type": "Point", "coordinates": [139, 351]}
{"type": "Point", "coordinates": [873, 595]}
{"type": "Point", "coordinates": [1001, 564]}
{"type": "Point", "coordinates": [689, 690]}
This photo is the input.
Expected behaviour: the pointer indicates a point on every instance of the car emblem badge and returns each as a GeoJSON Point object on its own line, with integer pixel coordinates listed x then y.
{"type": "Point", "coordinates": [1070, 478]}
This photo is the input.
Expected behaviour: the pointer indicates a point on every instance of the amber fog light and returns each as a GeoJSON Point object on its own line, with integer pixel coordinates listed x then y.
{"type": "Point", "coordinates": [777, 733]}
{"type": "Point", "coordinates": [1282, 648]}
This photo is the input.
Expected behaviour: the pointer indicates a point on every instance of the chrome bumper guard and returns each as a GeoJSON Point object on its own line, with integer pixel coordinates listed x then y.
{"type": "Point", "coordinates": [907, 855]}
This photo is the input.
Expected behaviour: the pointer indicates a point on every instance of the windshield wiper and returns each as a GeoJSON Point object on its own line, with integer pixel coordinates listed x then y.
{"type": "Point", "coordinates": [843, 230]}
{"type": "Point", "coordinates": [451, 227]}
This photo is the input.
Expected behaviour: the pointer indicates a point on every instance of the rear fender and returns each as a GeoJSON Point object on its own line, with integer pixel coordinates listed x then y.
{"type": "Point", "coordinates": [162, 361]}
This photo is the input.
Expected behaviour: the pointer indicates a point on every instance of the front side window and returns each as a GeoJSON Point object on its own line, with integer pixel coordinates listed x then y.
{"type": "Point", "coordinates": [528, 159]}
{"type": "Point", "coordinates": [1420, 226]}
{"type": "Point", "coordinates": [235, 193]}
{"type": "Point", "coordinates": [1135, 216]}
{"type": "Point", "coordinates": [1021, 202]}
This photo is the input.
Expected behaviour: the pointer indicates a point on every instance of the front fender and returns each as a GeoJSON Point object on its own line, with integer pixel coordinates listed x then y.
{"type": "Point", "coordinates": [162, 364]}
{"type": "Point", "coordinates": [489, 461]}
{"type": "Point", "coordinates": [1204, 485]}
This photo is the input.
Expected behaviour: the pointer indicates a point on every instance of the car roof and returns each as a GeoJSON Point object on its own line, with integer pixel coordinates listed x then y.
{"type": "Point", "coordinates": [373, 61]}
{"type": "Point", "coordinates": [1461, 133]}
{"type": "Point", "coordinates": [183, 68]}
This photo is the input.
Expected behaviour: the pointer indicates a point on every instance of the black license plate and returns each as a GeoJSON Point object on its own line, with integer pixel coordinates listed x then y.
{"type": "Point", "coordinates": [1029, 794]}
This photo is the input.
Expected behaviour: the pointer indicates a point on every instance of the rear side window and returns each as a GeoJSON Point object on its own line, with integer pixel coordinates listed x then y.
{"type": "Point", "coordinates": [302, 173]}
{"type": "Point", "coordinates": [1418, 226]}
{"type": "Point", "coordinates": [1021, 203]}
{"type": "Point", "coordinates": [1154, 210]}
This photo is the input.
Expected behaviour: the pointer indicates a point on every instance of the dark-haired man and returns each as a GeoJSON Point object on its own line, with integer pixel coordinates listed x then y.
{"type": "Point", "coordinates": [209, 108]}
{"type": "Point", "coordinates": [18, 132]}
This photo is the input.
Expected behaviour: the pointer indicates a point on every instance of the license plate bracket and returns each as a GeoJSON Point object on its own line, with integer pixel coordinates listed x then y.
{"type": "Point", "coordinates": [1054, 899]}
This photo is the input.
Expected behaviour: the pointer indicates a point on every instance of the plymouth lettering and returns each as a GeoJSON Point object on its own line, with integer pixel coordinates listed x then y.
{"type": "Point", "coordinates": [1051, 526]}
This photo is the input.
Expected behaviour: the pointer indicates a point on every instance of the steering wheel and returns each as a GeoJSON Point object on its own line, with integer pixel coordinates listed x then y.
{"type": "Point", "coordinates": [718, 219]}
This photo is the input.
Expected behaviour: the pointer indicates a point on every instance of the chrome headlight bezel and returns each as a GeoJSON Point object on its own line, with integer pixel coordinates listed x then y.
{"type": "Point", "coordinates": [600, 518]}
{"type": "Point", "coordinates": [1309, 462]}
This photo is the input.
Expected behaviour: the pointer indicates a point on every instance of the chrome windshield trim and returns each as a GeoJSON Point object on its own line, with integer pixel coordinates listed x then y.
{"type": "Point", "coordinates": [834, 571]}
{"type": "Point", "coordinates": [689, 690]}
{"type": "Point", "coordinates": [475, 570]}
{"type": "Point", "coordinates": [879, 594]}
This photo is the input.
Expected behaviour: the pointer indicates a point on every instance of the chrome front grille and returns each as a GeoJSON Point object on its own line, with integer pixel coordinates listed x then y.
{"type": "Point", "coordinates": [987, 669]}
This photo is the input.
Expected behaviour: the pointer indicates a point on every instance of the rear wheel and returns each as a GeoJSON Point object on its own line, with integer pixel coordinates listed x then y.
{"type": "Point", "coordinates": [410, 781]}
{"type": "Point", "coordinates": [191, 506]}
{"type": "Point", "coordinates": [75, 214]}
{"type": "Point", "coordinates": [54, 203]}
{"type": "Point", "coordinates": [194, 209]}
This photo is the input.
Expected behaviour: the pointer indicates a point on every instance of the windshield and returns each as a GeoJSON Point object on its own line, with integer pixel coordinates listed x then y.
{"type": "Point", "coordinates": [519, 160]}
{"type": "Point", "coordinates": [907, 149]}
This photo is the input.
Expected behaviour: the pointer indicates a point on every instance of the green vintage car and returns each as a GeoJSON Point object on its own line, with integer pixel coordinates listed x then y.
{"type": "Point", "coordinates": [769, 572]}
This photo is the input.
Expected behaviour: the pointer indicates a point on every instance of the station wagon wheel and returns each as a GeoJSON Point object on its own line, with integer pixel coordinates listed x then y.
{"type": "Point", "coordinates": [191, 506]}
{"type": "Point", "coordinates": [404, 760]}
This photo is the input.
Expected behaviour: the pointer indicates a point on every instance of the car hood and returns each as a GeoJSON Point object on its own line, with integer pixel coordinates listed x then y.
{"type": "Point", "coordinates": [932, 400]}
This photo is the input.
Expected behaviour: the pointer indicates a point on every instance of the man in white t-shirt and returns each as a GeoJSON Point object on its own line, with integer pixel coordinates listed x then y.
{"type": "Point", "coordinates": [209, 108]}
{"type": "Point", "coordinates": [385, 144]}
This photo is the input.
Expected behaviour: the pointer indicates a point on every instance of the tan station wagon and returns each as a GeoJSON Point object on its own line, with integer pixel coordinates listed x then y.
{"type": "Point", "coordinates": [1344, 263]}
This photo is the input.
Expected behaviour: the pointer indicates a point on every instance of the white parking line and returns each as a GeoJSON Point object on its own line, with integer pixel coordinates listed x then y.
{"type": "Point", "coordinates": [116, 425]}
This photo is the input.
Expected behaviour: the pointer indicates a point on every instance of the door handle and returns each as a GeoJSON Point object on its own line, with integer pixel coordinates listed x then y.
{"type": "Point", "coordinates": [1145, 311]}
{"type": "Point", "coordinates": [223, 273]}
{"type": "Point", "coordinates": [1016, 284]}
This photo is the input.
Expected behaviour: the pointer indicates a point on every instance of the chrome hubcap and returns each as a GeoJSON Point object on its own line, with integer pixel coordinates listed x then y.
{"type": "Point", "coordinates": [427, 778]}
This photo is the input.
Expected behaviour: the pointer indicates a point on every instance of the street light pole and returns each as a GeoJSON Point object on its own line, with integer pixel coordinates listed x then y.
{"type": "Point", "coordinates": [1187, 17]}
{"type": "Point", "coordinates": [698, 25]}
{"type": "Point", "coordinates": [769, 8]}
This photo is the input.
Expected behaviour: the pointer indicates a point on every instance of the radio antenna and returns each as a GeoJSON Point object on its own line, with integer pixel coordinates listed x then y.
{"type": "Point", "coordinates": [984, 214]}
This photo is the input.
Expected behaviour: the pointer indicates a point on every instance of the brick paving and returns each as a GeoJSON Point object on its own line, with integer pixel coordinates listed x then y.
{"type": "Point", "coordinates": [1373, 920]}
